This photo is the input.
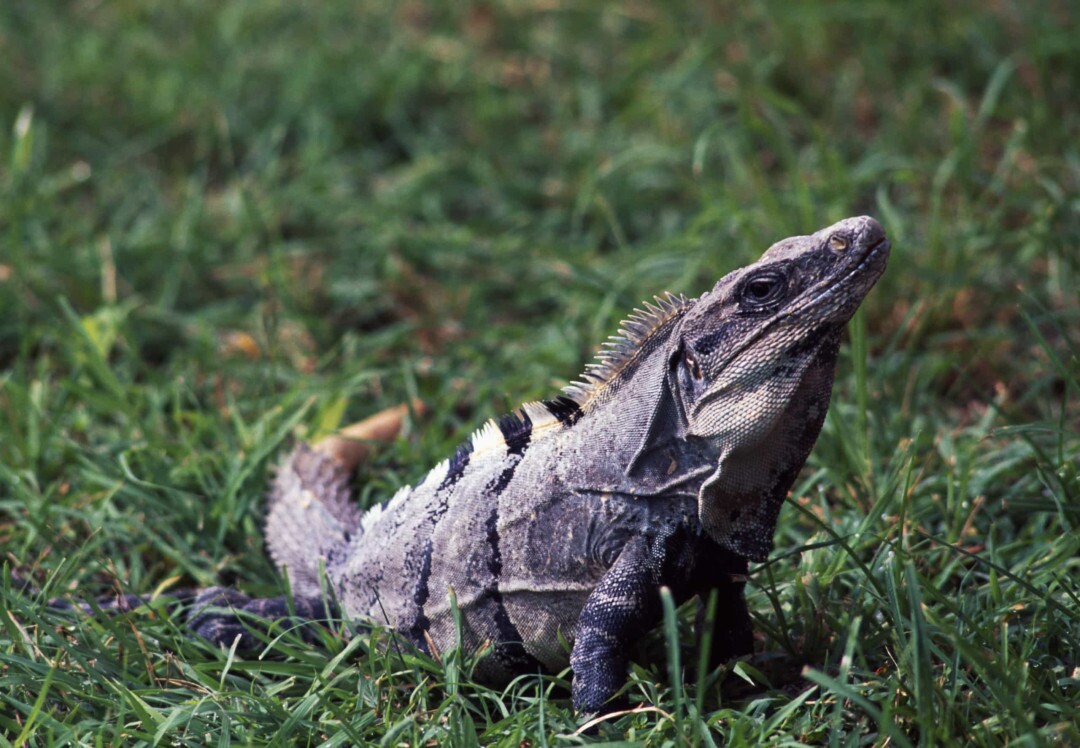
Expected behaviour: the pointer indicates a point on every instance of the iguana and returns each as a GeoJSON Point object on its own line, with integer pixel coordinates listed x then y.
{"type": "Point", "coordinates": [666, 465]}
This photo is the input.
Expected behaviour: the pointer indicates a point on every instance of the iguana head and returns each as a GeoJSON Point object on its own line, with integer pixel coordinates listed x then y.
{"type": "Point", "coordinates": [750, 371]}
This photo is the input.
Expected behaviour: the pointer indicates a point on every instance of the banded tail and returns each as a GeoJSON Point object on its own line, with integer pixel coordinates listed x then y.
{"type": "Point", "coordinates": [311, 513]}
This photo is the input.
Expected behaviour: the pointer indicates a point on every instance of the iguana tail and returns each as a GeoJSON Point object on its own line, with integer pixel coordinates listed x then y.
{"type": "Point", "coordinates": [311, 514]}
{"type": "Point", "coordinates": [225, 617]}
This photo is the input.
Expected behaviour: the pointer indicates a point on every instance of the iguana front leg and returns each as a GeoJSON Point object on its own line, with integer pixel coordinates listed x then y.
{"type": "Point", "coordinates": [731, 634]}
{"type": "Point", "coordinates": [623, 606]}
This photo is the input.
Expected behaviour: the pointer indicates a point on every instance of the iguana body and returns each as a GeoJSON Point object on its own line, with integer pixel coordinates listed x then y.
{"type": "Point", "coordinates": [666, 466]}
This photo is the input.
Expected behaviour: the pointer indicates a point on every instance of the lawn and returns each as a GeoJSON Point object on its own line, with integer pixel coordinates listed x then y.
{"type": "Point", "coordinates": [228, 226]}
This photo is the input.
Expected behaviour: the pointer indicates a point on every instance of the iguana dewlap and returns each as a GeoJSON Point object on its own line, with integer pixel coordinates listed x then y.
{"type": "Point", "coordinates": [666, 465]}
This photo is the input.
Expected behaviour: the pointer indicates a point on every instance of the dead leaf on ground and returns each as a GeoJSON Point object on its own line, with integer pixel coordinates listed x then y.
{"type": "Point", "coordinates": [351, 445]}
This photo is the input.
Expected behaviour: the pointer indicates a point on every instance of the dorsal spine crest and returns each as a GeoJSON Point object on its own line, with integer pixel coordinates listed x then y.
{"type": "Point", "coordinates": [622, 348]}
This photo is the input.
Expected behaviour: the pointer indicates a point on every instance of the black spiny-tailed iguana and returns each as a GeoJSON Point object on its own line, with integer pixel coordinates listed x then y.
{"type": "Point", "coordinates": [666, 465]}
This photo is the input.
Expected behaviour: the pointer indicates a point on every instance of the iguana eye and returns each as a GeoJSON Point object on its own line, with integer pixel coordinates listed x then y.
{"type": "Point", "coordinates": [762, 289]}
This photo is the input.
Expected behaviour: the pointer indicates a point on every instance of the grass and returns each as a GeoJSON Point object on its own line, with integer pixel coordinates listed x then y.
{"type": "Point", "coordinates": [226, 226]}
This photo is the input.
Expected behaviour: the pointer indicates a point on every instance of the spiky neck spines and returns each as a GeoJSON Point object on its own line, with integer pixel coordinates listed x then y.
{"type": "Point", "coordinates": [533, 420]}
{"type": "Point", "coordinates": [625, 347]}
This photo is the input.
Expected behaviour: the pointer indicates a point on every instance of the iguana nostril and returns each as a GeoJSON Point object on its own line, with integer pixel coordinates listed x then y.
{"type": "Point", "coordinates": [838, 243]}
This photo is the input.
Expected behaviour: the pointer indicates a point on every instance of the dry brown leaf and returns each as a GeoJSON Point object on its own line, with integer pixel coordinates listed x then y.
{"type": "Point", "coordinates": [351, 445]}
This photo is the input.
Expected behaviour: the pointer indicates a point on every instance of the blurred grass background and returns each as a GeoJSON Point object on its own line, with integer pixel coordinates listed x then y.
{"type": "Point", "coordinates": [225, 225]}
